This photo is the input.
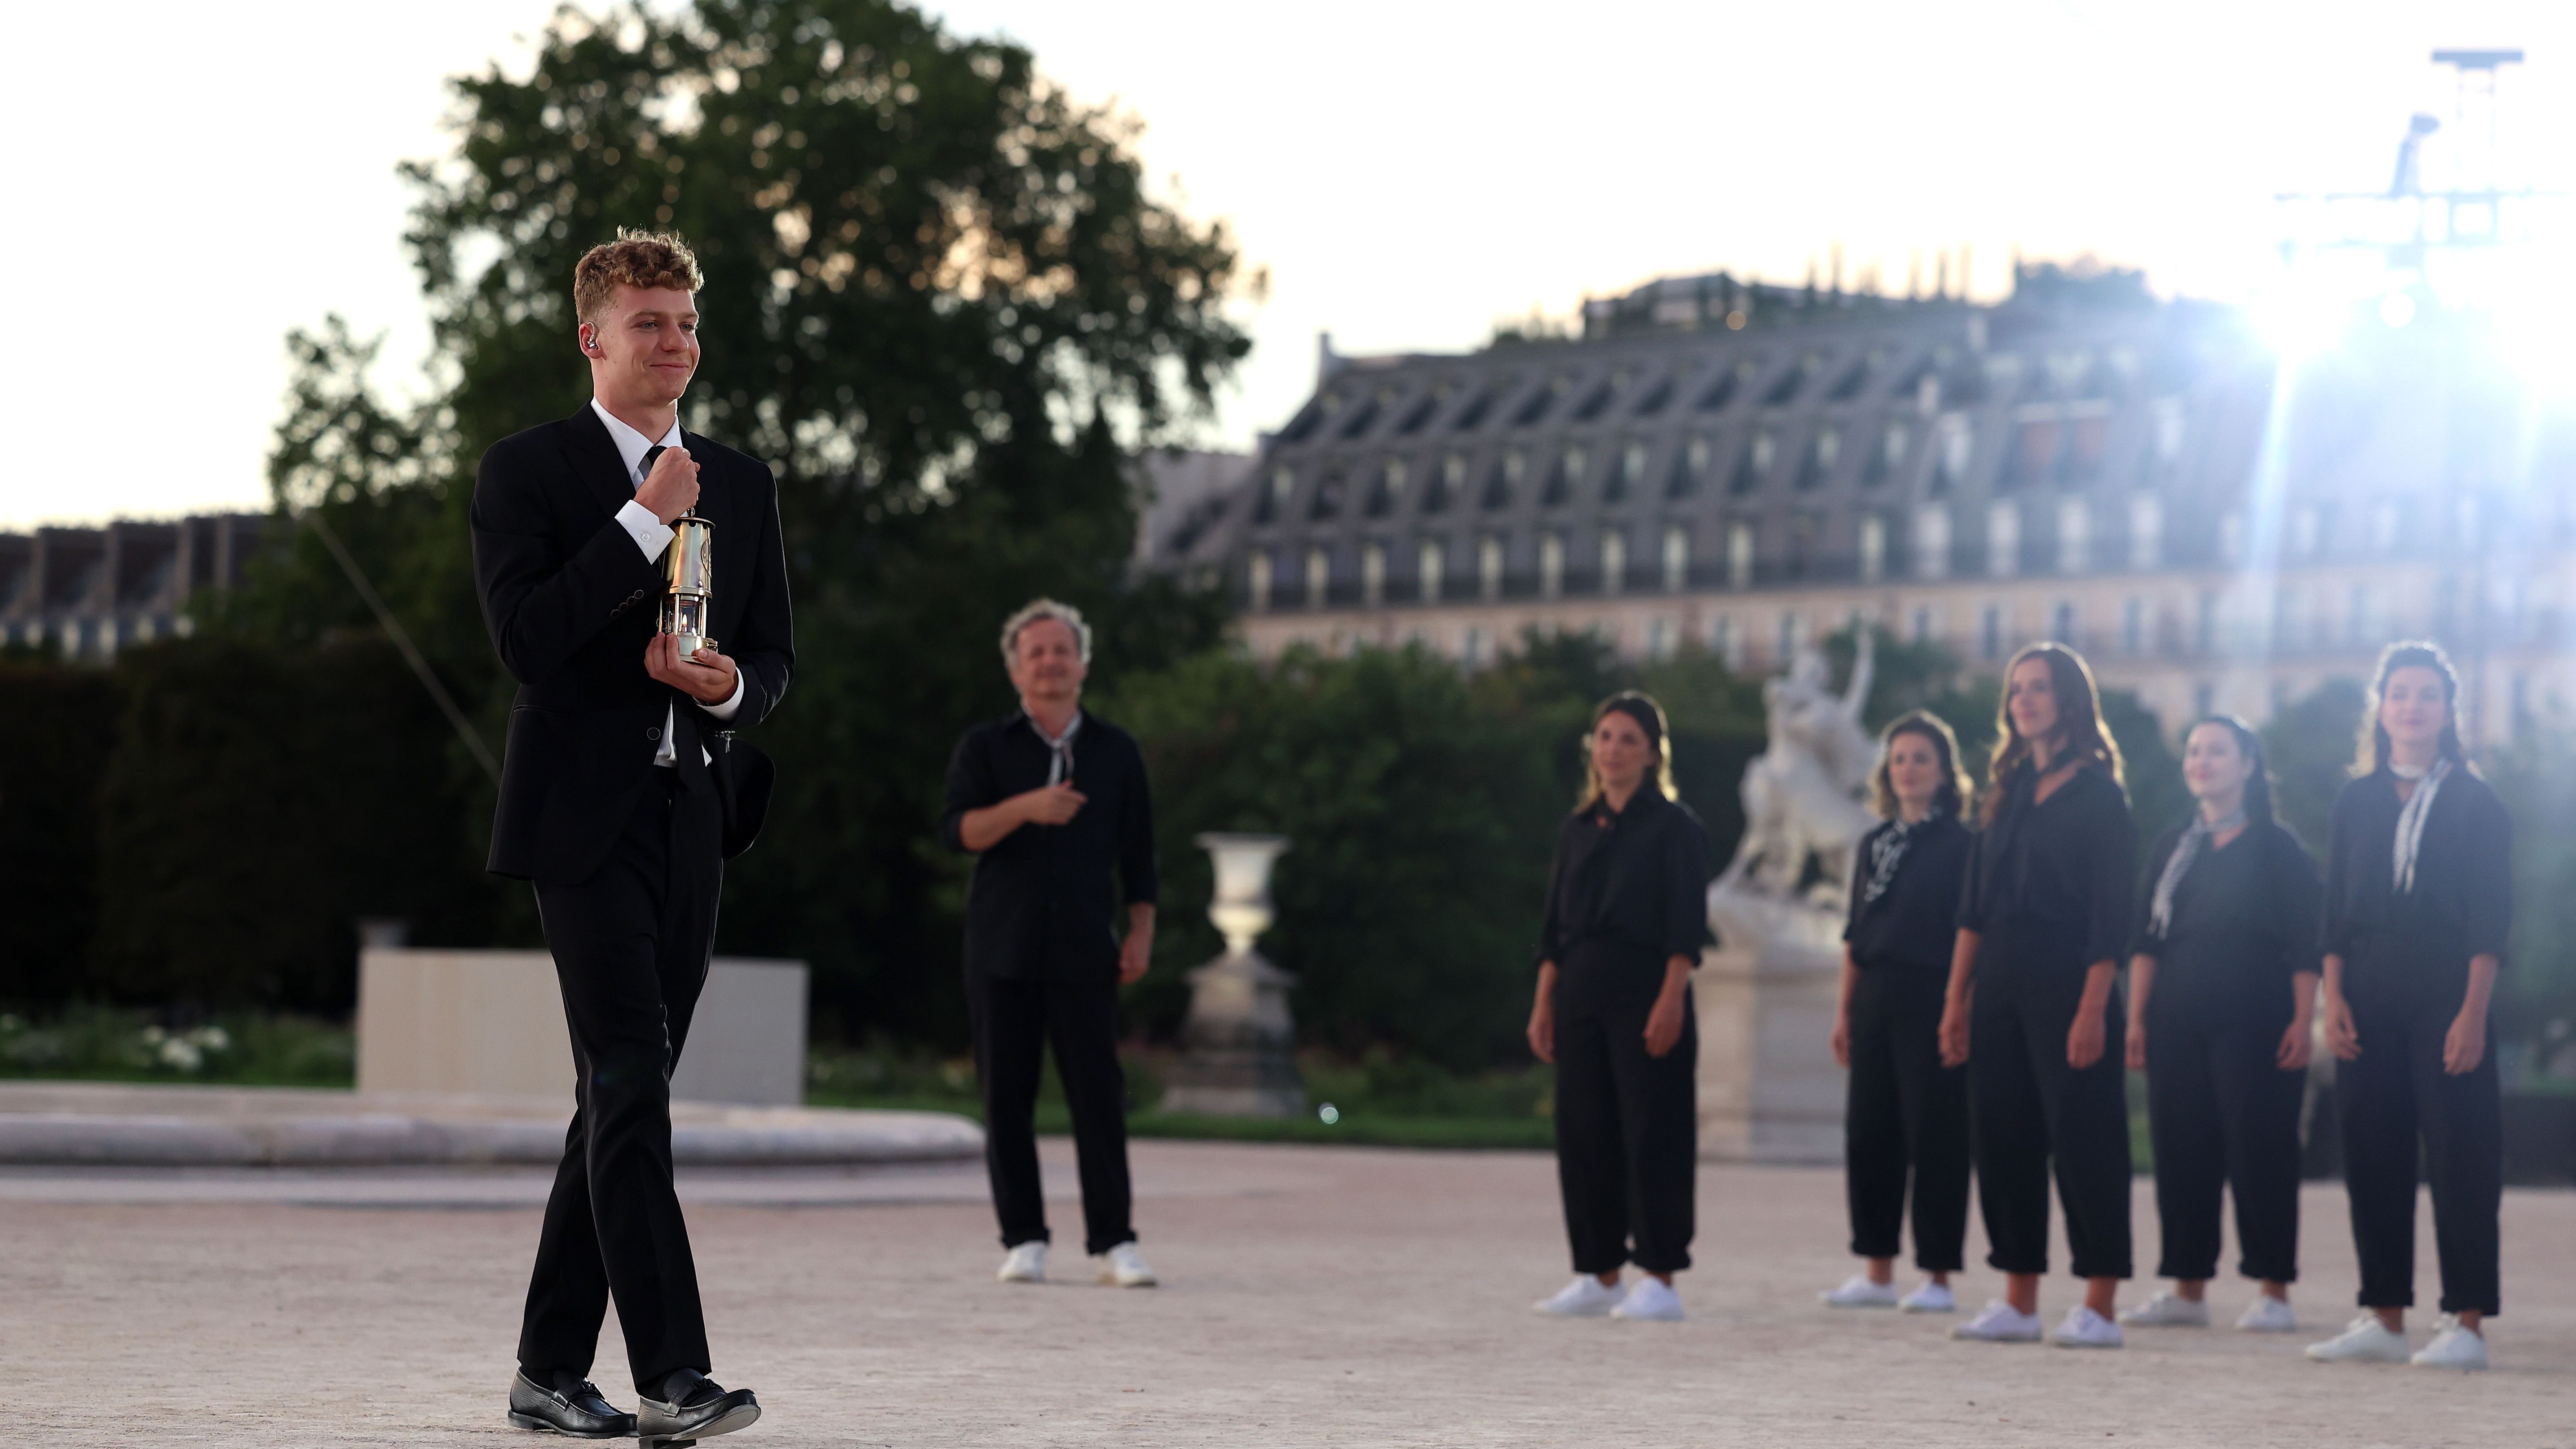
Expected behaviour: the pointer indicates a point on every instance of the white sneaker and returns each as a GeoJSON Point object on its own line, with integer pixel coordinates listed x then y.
{"type": "Point", "coordinates": [1929, 1297]}
{"type": "Point", "coordinates": [2169, 1309]}
{"type": "Point", "coordinates": [1585, 1297]}
{"type": "Point", "coordinates": [2000, 1322]}
{"type": "Point", "coordinates": [2453, 1347]}
{"type": "Point", "coordinates": [1860, 1291]}
{"type": "Point", "coordinates": [1024, 1264]}
{"type": "Point", "coordinates": [1651, 1300]}
{"type": "Point", "coordinates": [2084, 1328]}
{"type": "Point", "coordinates": [1124, 1267]}
{"type": "Point", "coordinates": [2364, 1340]}
{"type": "Point", "coordinates": [2267, 1314]}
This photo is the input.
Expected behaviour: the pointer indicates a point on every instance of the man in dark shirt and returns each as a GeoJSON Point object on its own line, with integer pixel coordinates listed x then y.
{"type": "Point", "coordinates": [1052, 801]}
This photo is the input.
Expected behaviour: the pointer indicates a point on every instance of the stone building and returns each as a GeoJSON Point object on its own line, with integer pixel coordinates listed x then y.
{"type": "Point", "coordinates": [87, 592]}
{"type": "Point", "coordinates": [1747, 467]}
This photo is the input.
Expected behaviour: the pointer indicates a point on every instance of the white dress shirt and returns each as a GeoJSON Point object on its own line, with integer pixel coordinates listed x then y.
{"type": "Point", "coordinates": [653, 535]}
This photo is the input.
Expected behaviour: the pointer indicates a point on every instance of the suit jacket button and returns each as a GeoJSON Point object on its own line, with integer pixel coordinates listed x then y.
{"type": "Point", "coordinates": [654, 733]}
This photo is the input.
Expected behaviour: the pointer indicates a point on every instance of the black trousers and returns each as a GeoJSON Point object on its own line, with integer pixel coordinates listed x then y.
{"type": "Point", "coordinates": [1906, 1113]}
{"type": "Point", "coordinates": [631, 947]}
{"type": "Point", "coordinates": [2390, 1097]}
{"type": "Point", "coordinates": [2029, 1110]}
{"type": "Point", "coordinates": [1627, 1133]}
{"type": "Point", "coordinates": [1014, 1022]}
{"type": "Point", "coordinates": [2223, 1117]}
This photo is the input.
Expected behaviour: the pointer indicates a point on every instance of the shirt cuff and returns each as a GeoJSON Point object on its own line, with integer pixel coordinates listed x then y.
{"type": "Point", "coordinates": [732, 703]}
{"type": "Point", "coordinates": [650, 533]}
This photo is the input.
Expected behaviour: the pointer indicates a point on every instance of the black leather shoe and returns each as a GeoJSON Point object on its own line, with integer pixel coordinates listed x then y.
{"type": "Point", "coordinates": [573, 1406]}
{"type": "Point", "coordinates": [697, 1408]}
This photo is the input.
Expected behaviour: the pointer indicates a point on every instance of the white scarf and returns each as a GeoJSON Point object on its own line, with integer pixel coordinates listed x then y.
{"type": "Point", "coordinates": [2160, 914]}
{"type": "Point", "coordinates": [2410, 821]}
{"type": "Point", "coordinates": [1886, 852]}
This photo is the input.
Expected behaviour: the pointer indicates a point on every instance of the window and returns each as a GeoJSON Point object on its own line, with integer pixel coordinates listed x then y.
{"type": "Point", "coordinates": [1328, 496]}
{"type": "Point", "coordinates": [2204, 699]}
{"type": "Point", "coordinates": [1873, 547]}
{"type": "Point", "coordinates": [1257, 580]}
{"type": "Point", "coordinates": [2062, 624]}
{"type": "Point", "coordinates": [2359, 626]}
{"type": "Point", "coordinates": [1388, 495]}
{"type": "Point", "coordinates": [1551, 565]}
{"type": "Point", "coordinates": [1990, 631]}
{"type": "Point", "coordinates": [1274, 502]}
{"type": "Point", "coordinates": [1793, 632]}
{"type": "Point", "coordinates": [1739, 555]}
{"type": "Point", "coordinates": [1471, 647]}
{"type": "Point", "coordinates": [2168, 430]}
{"type": "Point", "coordinates": [1568, 477]}
{"type": "Point", "coordinates": [1659, 637]}
{"type": "Point", "coordinates": [1505, 480]}
{"type": "Point", "coordinates": [2146, 531]}
{"type": "Point", "coordinates": [2003, 540]}
{"type": "Point", "coordinates": [2034, 455]}
{"type": "Point", "coordinates": [1688, 468]}
{"type": "Point", "coordinates": [1958, 443]}
{"type": "Point", "coordinates": [1754, 465]}
{"type": "Point", "coordinates": [2088, 443]}
{"type": "Point", "coordinates": [1887, 457]}
{"type": "Point", "coordinates": [2074, 535]}
{"type": "Point", "coordinates": [1319, 577]}
{"type": "Point", "coordinates": [1446, 484]}
{"type": "Point", "coordinates": [1426, 569]}
{"type": "Point", "coordinates": [1932, 542]}
{"type": "Point", "coordinates": [1632, 466]}
{"type": "Point", "coordinates": [1919, 631]}
{"type": "Point", "coordinates": [1614, 560]}
{"type": "Point", "coordinates": [1489, 567]}
{"type": "Point", "coordinates": [2133, 625]}
{"type": "Point", "coordinates": [1372, 575]}
{"type": "Point", "coordinates": [1821, 454]}
{"type": "Point", "coordinates": [1676, 559]}
{"type": "Point", "coordinates": [1728, 644]}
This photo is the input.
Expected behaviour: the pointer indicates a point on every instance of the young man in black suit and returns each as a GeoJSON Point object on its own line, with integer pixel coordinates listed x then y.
{"type": "Point", "coordinates": [609, 804]}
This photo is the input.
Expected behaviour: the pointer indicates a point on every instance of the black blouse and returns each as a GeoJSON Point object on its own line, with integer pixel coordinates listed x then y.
{"type": "Point", "coordinates": [1911, 925]}
{"type": "Point", "coordinates": [2056, 873]}
{"type": "Point", "coordinates": [1634, 880]}
{"type": "Point", "coordinates": [2239, 930]}
{"type": "Point", "coordinates": [2462, 903]}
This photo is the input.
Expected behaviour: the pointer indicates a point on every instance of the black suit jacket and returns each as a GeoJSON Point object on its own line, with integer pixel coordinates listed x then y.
{"type": "Point", "coordinates": [571, 604]}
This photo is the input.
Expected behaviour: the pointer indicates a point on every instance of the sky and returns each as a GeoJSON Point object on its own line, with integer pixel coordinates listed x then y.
{"type": "Point", "coordinates": [1406, 174]}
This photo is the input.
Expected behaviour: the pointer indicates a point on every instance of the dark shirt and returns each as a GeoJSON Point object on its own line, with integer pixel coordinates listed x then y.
{"type": "Point", "coordinates": [1042, 904]}
{"type": "Point", "coordinates": [1626, 892]}
{"type": "Point", "coordinates": [1912, 924]}
{"type": "Point", "coordinates": [2239, 932]}
{"type": "Point", "coordinates": [2050, 879]}
{"type": "Point", "coordinates": [2462, 903]}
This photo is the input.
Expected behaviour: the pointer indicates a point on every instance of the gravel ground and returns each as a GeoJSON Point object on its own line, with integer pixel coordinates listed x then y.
{"type": "Point", "coordinates": [1314, 1296]}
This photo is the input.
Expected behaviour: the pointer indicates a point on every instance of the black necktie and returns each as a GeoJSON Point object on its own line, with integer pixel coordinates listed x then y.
{"type": "Point", "coordinates": [651, 453]}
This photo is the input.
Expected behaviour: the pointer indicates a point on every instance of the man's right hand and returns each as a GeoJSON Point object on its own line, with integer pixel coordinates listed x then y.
{"type": "Point", "coordinates": [671, 489]}
{"type": "Point", "coordinates": [1050, 804]}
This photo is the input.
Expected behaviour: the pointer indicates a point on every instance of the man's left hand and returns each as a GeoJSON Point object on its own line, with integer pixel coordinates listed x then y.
{"type": "Point", "coordinates": [707, 677]}
{"type": "Point", "coordinates": [1134, 955]}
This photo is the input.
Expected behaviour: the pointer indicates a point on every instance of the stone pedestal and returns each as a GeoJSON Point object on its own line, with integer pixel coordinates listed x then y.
{"type": "Point", "coordinates": [1769, 1090]}
{"type": "Point", "coordinates": [492, 1023]}
{"type": "Point", "coordinates": [1238, 1054]}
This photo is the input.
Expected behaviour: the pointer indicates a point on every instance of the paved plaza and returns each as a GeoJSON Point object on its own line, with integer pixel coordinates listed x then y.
{"type": "Point", "coordinates": [1316, 1296]}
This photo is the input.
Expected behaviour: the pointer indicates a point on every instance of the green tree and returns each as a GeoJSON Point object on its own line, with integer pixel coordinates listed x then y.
{"type": "Point", "coordinates": [55, 725]}
{"type": "Point", "coordinates": [939, 301]}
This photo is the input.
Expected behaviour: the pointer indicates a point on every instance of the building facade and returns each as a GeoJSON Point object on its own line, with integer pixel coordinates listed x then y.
{"type": "Point", "coordinates": [1745, 469]}
{"type": "Point", "coordinates": [87, 592]}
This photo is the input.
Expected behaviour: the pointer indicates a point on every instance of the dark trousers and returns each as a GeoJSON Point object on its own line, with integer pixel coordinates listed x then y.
{"type": "Point", "coordinates": [631, 946]}
{"type": "Point", "coordinates": [1014, 1022]}
{"type": "Point", "coordinates": [2028, 1110]}
{"type": "Point", "coordinates": [1627, 1134]}
{"type": "Point", "coordinates": [2390, 1097]}
{"type": "Point", "coordinates": [2223, 1117]}
{"type": "Point", "coordinates": [1905, 1113]}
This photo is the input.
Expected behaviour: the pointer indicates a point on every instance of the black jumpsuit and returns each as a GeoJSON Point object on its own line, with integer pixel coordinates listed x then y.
{"type": "Point", "coordinates": [2221, 1112]}
{"type": "Point", "coordinates": [1626, 892]}
{"type": "Point", "coordinates": [2048, 892]}
{"type": "Point", "coordinates": [2405, 975]}
{"type": "Point", "coordinates": [1905, 1110]}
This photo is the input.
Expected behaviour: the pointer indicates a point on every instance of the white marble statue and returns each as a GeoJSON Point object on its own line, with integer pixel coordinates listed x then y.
{"type": "Point", "coordinates": [1790, 880]}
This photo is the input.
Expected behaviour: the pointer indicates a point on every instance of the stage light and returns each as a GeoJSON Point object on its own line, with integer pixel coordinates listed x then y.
{"type": "Point", "coordinates": [2397, 309]}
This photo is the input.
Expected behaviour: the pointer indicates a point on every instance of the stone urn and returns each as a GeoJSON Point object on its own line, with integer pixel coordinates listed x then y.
{"type": "Point", "coordinates": [1238, 1045]}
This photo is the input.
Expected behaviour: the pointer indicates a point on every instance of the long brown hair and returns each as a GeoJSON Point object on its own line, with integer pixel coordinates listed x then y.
{"type": "Point", "coordinates": [2080, 733]}
{"type": "Point", "coordinates": [1640, 706]}
{"type": "Point", "coordinates": [2370, 751]}
{"type": "Point", "coordinates": [1952, 797]}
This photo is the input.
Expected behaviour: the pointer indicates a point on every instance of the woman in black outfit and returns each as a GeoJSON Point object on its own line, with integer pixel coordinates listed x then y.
{"type": "Point", "coordinates": [2419, 895]}
{"type": "Point", "coordinates": [2043, 920]}
{"type": "Point", "coordinates": [1626, 915]}
{"type": "Point", "coordinates": [2222, 990]}
{"type": "Point", "coordinates": [1905, 1110]}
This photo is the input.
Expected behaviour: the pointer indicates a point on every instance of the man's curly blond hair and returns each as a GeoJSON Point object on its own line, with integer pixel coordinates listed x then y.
{"type": "Point", "coordinates": [645, 259]}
